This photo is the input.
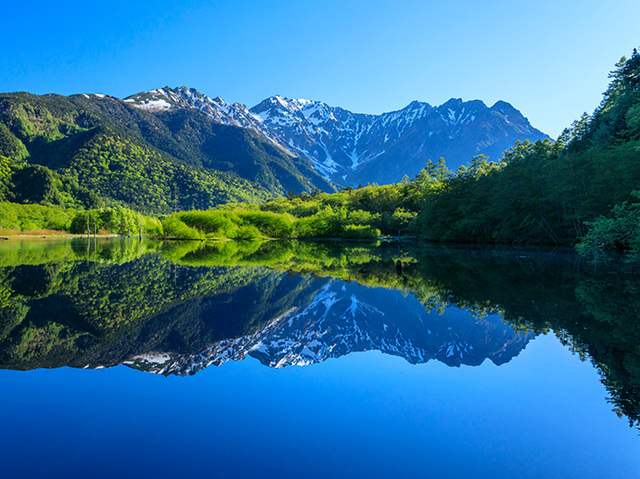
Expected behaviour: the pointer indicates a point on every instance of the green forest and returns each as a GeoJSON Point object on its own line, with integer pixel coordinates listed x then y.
{"type": "Point", "coordinates": [580, 190]}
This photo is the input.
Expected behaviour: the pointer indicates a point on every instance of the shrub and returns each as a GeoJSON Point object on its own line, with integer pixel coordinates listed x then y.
{"type": "Point", "coordinates": [173, 228]}
{"type": "Point", "coordinates": [272, 225]}
{"type": "Point", "coordinates": [361, 232]}
{"type": "Point", "coordinates": [213, 224]}
{"type": "Point", "coordinates": [247, 232]}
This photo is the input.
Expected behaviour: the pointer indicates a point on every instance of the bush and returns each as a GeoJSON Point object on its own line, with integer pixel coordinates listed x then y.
{"type": "Point", "coordinates": [621, 230]}
{"type": "Point", "coordinates": [174, 228]}
{"type": "Point", "coordinates": [311, 227]}
{"type": "Point", "coordinates": [361, 232]}
{"type": "Point", "coordinates": [15, 216]}
{"type": "Point", "coordinates": [247, 232]}
{"type": "Point", "coordinates": [213, 224]}
{"type": "Point", "coordinates": [271, 225]}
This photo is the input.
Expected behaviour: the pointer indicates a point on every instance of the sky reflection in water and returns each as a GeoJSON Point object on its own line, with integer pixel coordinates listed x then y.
{"type": "Point", "coordinates": [363, 415]}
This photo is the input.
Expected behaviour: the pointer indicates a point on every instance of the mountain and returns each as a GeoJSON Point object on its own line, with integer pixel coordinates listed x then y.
{"type": "Point", "coordinates": [351, 148]}
{"type": "Point", "coordinates": [343, 318]}
{"type": "Point", "coordinates": [170, 149]}
{"type": "Point", "coordinates": [123, 155]}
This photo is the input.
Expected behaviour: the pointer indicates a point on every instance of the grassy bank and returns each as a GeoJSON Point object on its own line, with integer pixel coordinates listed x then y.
{"type": "Point", "coordinates": [51, 220]}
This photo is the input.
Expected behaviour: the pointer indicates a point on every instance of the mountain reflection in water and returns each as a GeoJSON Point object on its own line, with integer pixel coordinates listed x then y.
{"type": "Point", "coordinates": [177, 308]}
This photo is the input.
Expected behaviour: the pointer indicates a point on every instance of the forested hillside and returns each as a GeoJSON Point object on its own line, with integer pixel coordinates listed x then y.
{"type": "Point", "coordinates": [95, 150]}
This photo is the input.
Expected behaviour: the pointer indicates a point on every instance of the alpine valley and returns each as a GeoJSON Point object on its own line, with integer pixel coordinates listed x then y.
{"type": "Point", "coordinates": [175, 148]}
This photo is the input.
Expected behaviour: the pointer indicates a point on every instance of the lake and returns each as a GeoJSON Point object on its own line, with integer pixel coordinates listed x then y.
{"type": "Point", "coordinates": [128, 358]}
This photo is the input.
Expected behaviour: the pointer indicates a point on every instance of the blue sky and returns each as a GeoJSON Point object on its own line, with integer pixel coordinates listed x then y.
{"type": "Point", "coordinates": [550, 59]}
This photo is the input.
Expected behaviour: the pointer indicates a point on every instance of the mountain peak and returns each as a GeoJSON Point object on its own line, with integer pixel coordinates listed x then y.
{"type": "Point", "coordinates": [452, 102]}
{"type": "Point", "coordinates": [417, 104]}
{"type": "Point", "coordinates": [502, 104]}
{"type": "Point", "coordinates": [506, 108]}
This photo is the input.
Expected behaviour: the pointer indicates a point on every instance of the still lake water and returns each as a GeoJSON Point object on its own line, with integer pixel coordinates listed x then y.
{"type": "Point", "coordinates": [139, 359]}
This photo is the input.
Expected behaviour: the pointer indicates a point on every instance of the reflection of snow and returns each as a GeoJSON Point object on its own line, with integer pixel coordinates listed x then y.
{"type": "Point", "coordinates": [341, 319]}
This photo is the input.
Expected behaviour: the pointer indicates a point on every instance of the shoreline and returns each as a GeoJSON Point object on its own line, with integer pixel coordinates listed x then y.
{"type": "Point", "coordinates": [37, 236]}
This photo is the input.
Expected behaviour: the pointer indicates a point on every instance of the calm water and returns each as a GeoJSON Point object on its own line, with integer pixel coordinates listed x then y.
{"type": "Point", "coordinates": [141, 359]}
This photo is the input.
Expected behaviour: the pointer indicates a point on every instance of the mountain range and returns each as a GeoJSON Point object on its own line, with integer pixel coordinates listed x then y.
{"type": "Point", "coordinates": [169, 149]}
{"type": "Point", "coordinates": [182, 159]}
{"type": "Point", "coordinates": [350, 148]}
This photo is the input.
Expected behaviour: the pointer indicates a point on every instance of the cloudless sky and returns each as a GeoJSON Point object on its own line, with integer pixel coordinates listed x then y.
{"type": "Point", "coordinates": [550, 59]}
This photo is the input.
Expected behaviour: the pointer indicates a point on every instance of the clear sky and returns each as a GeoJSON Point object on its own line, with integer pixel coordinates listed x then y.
{"type": "Point", "coordinates": [550, 59]}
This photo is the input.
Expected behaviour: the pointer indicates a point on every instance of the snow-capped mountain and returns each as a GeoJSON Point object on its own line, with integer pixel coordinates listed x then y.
{"type": "Point", "coordinates": [343, 318]}
{"type": "Point", "coordinates": [351, 148]}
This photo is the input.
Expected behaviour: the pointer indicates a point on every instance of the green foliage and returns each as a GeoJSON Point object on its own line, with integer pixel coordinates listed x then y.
{"type": "Point", "coordinates": [103, 152]}
{"type": "Point", "coordinates": [215, 224]}
{"type": "Point", "coordinates": [173, 228]}
{"type": "Point", "coordinates": [240, 224]}
{"type": "Point", "coordinates": [112, 166]}
{"type": "Point", "coordinates": [621, 230]}
{"type": "Point", "coordinates": [271, 225]}
{"type": "Point", "coordinates": [117, 220]}
{"type": "Point", "coordinates": [34, 217]}
{"type": "Point", "coordinates": [358, 214]}
{"type": "Point", "coordinates": [360, 232]}
{"type": "Point", "coordinates": [34, 184]}
{"type": "Point", "coordinates": [7, 167]}
{"type": "Point", "coordinates": [10, 145]}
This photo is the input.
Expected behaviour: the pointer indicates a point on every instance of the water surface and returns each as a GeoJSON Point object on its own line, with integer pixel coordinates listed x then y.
{"type": "Point", "coordinates": [125, 359]}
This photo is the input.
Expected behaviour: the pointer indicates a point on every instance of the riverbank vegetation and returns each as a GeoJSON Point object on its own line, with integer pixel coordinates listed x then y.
{"type": "Point", "coordinates": [365, 213]}
{"type": "Point", "coordinates": [18, 219]}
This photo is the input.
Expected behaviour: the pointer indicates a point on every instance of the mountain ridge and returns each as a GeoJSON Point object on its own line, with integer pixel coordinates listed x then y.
{"type": "Point", "coordinates": [350, 148]}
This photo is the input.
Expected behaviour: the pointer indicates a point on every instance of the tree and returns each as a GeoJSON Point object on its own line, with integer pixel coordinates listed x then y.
{"type": "Point", "coordinates": [34, 184]}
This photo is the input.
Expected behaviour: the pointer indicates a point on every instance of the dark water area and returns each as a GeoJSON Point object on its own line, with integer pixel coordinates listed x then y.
{"type": "Point", "coordinates": [128, 358]}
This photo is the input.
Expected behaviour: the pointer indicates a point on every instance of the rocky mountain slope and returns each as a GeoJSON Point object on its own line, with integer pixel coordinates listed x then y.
{"type": "Point", "coordinates": [350, 148]}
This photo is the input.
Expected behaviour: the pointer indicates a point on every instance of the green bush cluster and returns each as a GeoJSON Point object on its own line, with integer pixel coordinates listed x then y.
{"type": "Point", "coordinates": [620, 230]}
{"type": "Point", "coordinates": [228, 224]}
{"type": "Point", "coordinates": [242, 222]}
{"type": "Point", "coordinates": [117, 220]}
{"type": "Point", "coordinates": [34, 217]}
{"type": "Point", "coordinates": [365, 213]}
